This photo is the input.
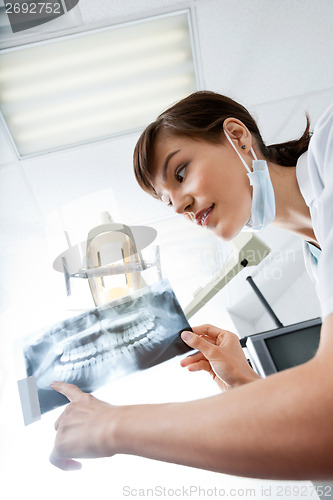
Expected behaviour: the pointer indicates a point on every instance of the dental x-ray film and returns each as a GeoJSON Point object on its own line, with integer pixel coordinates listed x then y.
{"type": "Point", "coordinates": [90, 350]}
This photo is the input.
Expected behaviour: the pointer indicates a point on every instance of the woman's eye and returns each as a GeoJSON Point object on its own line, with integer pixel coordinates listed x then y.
{"type": "Point", "coordinates": [180, 174]}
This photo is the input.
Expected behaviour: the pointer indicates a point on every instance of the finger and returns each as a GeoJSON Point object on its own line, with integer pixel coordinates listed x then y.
{"type": "Point", "coordinates": [198, 342]}
{"type": "Point", "coordinates": [71, 391]}
{"type": "Point", "coordinates": [199, 366]}
{"type": "Point", "coordinates": [192, 358]}
{"type": "Point", "coordinates": [209, 330]}
{"type": "Point", "coordinates": [209, 339]}
{"type": "Point", "coordinates": [65, 463]}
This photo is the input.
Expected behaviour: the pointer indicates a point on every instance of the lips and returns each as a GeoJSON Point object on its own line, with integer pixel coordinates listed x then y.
{"type": "Point", "coordinates": [201, 218]}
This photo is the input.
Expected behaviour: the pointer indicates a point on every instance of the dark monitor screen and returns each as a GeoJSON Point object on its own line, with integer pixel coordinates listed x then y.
{"type": "Point", "coordinates": [293, 348]}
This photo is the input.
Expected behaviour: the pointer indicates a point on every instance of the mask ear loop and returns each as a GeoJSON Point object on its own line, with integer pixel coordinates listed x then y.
{"type": "Point", "coordinates": [253, 154]}
{"type": "Point", "coordinates": [240, 156]}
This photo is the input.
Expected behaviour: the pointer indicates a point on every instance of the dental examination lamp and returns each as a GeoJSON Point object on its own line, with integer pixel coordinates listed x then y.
{"type": "Point", "coordinates": [111, 249]}
{"type": "Point", "coordinates": [249, 250]}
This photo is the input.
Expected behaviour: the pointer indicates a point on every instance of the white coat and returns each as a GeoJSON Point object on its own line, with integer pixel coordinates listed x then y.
{"type": "Point", "coordinates": [314, 172]}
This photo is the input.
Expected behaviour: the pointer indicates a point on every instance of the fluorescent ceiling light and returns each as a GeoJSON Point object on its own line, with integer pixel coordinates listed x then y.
{"type": "Point", "coordinates": [96, 84]}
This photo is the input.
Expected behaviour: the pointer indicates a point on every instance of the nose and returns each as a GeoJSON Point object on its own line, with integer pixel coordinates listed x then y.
{"type": "Point", "coordinates": [182, 204]}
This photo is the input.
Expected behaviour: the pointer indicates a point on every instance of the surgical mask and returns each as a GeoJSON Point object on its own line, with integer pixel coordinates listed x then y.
{"type": "Point", "coordinates": [263, 199]}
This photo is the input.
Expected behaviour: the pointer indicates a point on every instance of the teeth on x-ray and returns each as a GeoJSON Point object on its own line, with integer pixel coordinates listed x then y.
{"type": "Point", "coordinates": [107, 342]}
{"type": "Point", "coordinates": [109, 346]}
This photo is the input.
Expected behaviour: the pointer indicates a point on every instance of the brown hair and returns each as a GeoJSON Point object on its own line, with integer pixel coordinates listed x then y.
{"type": "Point", "coordinates": [201, 116]}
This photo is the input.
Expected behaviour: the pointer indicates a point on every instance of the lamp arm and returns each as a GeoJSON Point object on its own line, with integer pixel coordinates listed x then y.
{"type": "Point", "coordinates": [249, 250]}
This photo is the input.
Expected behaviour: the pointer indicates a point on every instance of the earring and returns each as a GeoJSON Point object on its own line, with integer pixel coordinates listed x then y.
{"type": "Point", "coordinates": [243, 146]}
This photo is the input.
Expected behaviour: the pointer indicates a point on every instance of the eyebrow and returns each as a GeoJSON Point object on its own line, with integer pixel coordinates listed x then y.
{"type": "Point", "coordinates": [165, 166]}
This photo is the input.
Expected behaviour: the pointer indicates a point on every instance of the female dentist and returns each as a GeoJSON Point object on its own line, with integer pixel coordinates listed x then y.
{"type": "Point", "coordinates": [201, 157]}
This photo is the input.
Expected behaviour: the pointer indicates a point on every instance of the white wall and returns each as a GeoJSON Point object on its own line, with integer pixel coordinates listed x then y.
{"type": "Point", "coordinates": [275, 57]}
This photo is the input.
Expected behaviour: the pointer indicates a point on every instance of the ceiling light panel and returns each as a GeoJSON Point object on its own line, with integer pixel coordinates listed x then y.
{"type": "Point", "coordinates": [97, 84]}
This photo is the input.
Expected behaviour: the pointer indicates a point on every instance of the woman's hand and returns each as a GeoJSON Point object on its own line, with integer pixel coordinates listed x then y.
{"type": "Point", "coordinates": [81, 429]}
{"type": "Point", "coordinates": [220, 354]}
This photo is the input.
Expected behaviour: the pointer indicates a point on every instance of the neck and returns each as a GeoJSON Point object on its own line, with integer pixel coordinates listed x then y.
{"type": "Point", "coordinates": [292, 213]}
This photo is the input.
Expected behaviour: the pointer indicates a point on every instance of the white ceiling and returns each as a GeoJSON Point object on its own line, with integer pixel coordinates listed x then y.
{"type": "Point", "coordinates": [274, 57]}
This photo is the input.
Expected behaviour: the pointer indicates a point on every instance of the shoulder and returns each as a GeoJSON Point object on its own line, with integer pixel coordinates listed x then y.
{"type": "Point", "coordinates": [321, 144]}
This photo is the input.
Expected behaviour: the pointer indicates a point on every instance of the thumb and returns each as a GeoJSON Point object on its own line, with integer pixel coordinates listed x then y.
{"type": "Point", "coordinates": [195, 341]}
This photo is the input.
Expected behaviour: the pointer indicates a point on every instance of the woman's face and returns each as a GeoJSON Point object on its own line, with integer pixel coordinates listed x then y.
{"type": "Point", "coordinates": [203, 179]}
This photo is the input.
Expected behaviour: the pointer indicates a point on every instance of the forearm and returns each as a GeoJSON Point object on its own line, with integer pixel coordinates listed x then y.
{"type": "Point", "coordinates": [279, 428]}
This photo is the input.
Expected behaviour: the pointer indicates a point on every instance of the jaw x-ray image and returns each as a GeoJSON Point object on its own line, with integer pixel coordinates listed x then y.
{"type": "Point", "coordinates": [105, 343]}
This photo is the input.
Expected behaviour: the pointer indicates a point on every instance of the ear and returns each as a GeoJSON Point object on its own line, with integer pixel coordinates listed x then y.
{"type": "Point", "coordinates": [238, 133]}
